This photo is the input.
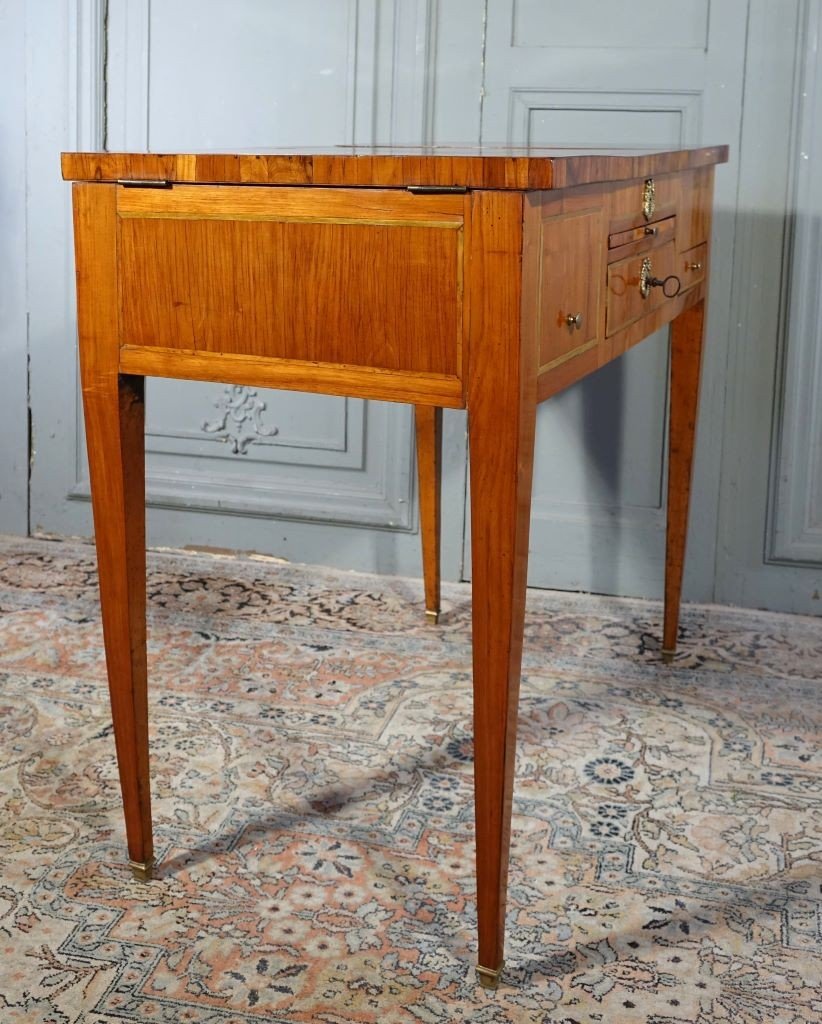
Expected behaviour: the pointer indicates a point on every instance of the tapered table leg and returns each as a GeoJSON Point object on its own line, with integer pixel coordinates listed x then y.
{"type": "Point", "coordinates": [501, 425]}
{"type": "Point", "coordinates": [428, 422]}
{"type": "Point", "coordinates": [114, 432]}
{"type": "Point", "coordinates": [114, 416]}
{"type": "Point", "coordinates": [687, 333]}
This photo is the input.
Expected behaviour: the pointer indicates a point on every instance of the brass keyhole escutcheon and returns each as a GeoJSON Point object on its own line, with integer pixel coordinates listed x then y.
{"type": "Point", "coordinates": [646, 275]}
{"type": "Point", "coordinates": [648, 198]}
{"type": "Point", "coordinates": [671, 285]}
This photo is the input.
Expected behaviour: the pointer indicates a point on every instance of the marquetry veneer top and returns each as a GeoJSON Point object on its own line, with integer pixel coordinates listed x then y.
{"type": "Point", "coordinates": [484, 168]}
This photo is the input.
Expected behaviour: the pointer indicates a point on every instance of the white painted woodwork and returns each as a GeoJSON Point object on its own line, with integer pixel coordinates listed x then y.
{"type": "Point", "coordinates": [587, 76]}
{"type": "Point", "coordinates": [330, 481]}
{"type": "Point", "coordinates": [13, 320]}
{"type": "Point", "coordinates": [771, 458]}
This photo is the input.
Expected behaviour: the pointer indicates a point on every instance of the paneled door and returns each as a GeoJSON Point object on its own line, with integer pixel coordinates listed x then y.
{"type": "Point", "coordinates": [303, 477]}
{"type": "Point", "coordinates": [328, 481]}
{"type": "Point", "coordinates": [592, 74]}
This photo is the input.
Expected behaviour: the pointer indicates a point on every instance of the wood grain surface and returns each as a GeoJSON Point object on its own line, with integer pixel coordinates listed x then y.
{"type": "Point", "coordinates": [428, 426]}
{"type": "Point", "coordinates": [501, 425]}
{"type": "Point", "coordinates": [316, 276]}
{"type": "Point", "coordinates": [437, 300]}
{"type": "Point", "coordinates": [296, 375]}
{"type": "Point", "coordinates": [695, 201]}
{"type": "Point", "coordinates": [115, 416]}
{"type": "Point", "coordinates": [469, 168]}
{"type": "Point", "coordinates": [552, 381]}
{"type": "Point", "coordinates": [687, 333]}
{"type": "Point", "coordinates": [625, 302]}
{"type": "Point", "coordinates": [570, 284]}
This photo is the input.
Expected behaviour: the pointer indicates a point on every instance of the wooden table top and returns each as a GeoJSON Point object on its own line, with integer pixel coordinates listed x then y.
{"type": "Point", "coordinates": [394, 167]}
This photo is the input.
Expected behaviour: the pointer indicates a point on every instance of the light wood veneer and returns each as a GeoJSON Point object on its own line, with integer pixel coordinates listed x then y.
{"type": "Point", "coordinates": [333, 273]}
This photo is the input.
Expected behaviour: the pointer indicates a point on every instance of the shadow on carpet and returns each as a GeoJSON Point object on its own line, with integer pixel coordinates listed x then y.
{"type": "Point", "coordinates": [311, 772]}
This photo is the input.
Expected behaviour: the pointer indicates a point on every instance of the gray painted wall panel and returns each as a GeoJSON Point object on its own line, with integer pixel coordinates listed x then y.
{"type": "Point", "coordinates": [609, 536]}
{"type": "Point", "coordinates": [796, 477]}
{"type": "Point", "coordinates": [592, 23]}
{"type": "Point", "coordinates": [247, 75]}
{"type": "Point", "coordinates": [744, 574]}
{"type": "Point", "coordinates": [64, 110]}
{"type": "Point", "coordinates": [335, 483]}
{"type": "Point", "coordinates": [13, 298]}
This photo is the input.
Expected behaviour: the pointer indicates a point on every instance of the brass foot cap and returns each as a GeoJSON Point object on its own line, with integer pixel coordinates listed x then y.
{"type": "Point", "coordinates": [433, 617]}
{"type": "Point", "coordinates": [143, 870]}
{"type": "Point", "coordinates": [668, 656]}
{"type": "Point", "coordinates": [488, 977]}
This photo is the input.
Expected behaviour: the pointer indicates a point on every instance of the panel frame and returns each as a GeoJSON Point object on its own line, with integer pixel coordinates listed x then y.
{"type": "Point", "coordinates": [65, 106]}
{"type": "Point", "coordinates": [628, 23]}
{"type": "Point", "coordinates": [14, 388]}
{"type": "Point", "coordinates": [745, 573]}
{"type": "Point", "coordinates": [381, 498]}
{"type": "Point", "coordinates": [616, 547]}
{"type": "Point", "coordinates": [592, 520]}
{"type": "Point", "coordinates": [795, 486]}
{"type": "Point", "coordinates": [524, 102]}
{"type": "Point", "coordinates": [288, 225]}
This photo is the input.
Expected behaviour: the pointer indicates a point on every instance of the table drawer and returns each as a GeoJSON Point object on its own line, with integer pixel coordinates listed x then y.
{"type": "Point", "coordinates": [658, 232]}
{"type": "Point", "coordinates": [644, 201]}
{"type": "Point", "coordinates": [570, 285]}
{"type": "Point", "coordinates": [693, 265]}
{"type": "Point", "coordinates": [625, 302]}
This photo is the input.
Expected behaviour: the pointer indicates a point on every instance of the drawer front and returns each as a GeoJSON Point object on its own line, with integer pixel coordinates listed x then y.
{"type": "Point", "coordinates": [570, 291]}
{"type": "Point", "coordinates": [625, 301]}
{"type": "Point", "coordinates": [644, 201]}
{"type": "Point", "coordinates": [319, 275]}
{"type": "Point", "coordinates": [693, 265]}
{"type": "Point", "coordinates": [657, 232]}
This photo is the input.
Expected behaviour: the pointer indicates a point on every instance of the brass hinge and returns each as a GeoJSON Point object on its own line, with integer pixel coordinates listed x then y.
{"type": "Point", "coordinates": [144, 183]}
{"type": "Point", "coordinates": [433, 190]}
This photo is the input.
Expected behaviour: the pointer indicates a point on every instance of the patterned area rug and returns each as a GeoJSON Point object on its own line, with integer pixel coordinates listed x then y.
{"type": "Point", "coordinates": [311, 741]}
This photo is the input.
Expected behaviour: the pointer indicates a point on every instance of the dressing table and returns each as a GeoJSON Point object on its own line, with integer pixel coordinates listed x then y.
{"type": "Point", "coordinates": [487, 280]}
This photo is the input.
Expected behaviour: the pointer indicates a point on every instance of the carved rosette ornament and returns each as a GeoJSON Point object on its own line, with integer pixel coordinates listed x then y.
{"type": "Point", "coordinates": [241, 421]}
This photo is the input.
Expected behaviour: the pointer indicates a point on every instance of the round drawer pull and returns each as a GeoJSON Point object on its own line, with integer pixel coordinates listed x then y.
{"type": "Point", "coordinates": [651, 231]}
{"type": "Point", "coordinates": [693, 266]}
{"type": "Point", "coordinates": [574, 320]}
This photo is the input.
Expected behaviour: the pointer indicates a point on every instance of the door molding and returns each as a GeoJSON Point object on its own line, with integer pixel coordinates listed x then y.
{"type": "Point", "coordinates": [795, 486]}
{"type": "Point", "coordinates": [348, 479]}
{"type": "Point", "coordinates": [14, 384]}
{"type": "Point", "coordinates": [746, 573]}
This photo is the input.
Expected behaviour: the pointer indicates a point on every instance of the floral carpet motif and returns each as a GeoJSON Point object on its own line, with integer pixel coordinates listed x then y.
{"type": "Point", "coordinates": [311, 771]}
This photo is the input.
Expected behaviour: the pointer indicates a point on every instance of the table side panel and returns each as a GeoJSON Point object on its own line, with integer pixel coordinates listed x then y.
{"type": "Point", "coordinates": [330, 276]}
{"type": "Point", "coordinates": [295, 375]}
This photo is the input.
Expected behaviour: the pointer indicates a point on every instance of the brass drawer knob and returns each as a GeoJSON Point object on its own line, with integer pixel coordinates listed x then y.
{"type": "Point", "coordinates": [693, 266]}
{"type": "Point", "coordinates": [648, 198]}
{"type": "Point", "coordinates": [574, 321]}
